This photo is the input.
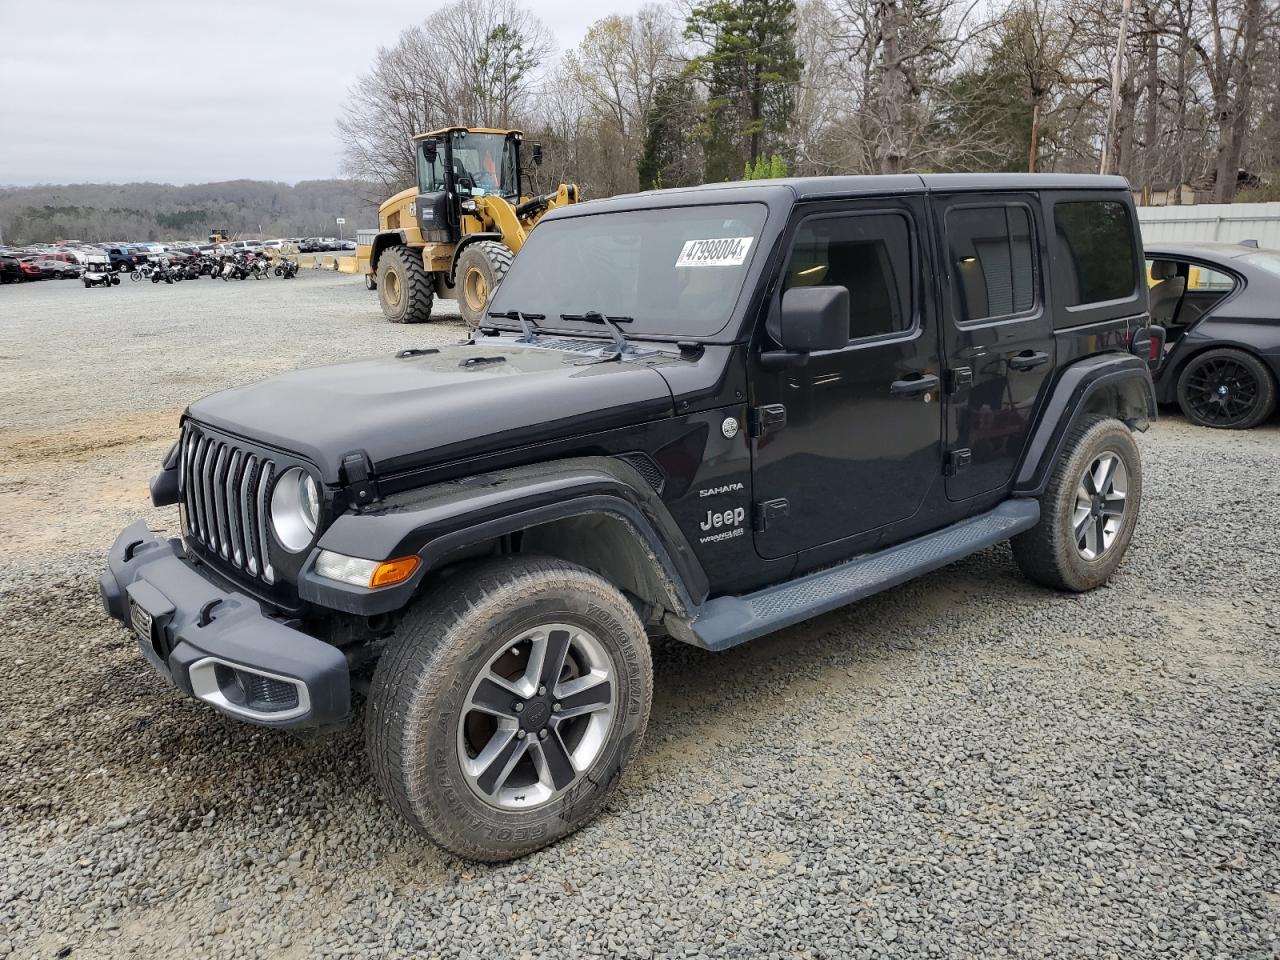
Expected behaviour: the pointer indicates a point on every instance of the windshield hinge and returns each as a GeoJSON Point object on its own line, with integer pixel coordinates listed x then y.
{"type": "Point", "coordinates": [357, 474]}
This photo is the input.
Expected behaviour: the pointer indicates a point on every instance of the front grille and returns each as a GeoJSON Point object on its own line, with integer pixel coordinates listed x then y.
{"type": "Point", "coordinates": [224, 491]}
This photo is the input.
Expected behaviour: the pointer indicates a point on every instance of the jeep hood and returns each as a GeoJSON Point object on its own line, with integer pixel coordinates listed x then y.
{"type": "Point", "coordinates": [414, 411]}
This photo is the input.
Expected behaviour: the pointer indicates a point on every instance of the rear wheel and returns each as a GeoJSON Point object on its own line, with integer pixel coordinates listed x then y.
{"type": "Point", "coordinates": [404, 288]}
{"type": "Point", "coordinates": [1089, 510]}
{"type": "Point", "coordinates": [1227, 389]}
{"type": "Point", "coordinates": [481, 268]}
{"type": "Point", "coordinates": [507, 705]}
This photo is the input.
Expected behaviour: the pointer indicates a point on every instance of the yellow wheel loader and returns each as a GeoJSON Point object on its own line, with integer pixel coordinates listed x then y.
{"type": "Point", "coordinates": [454, 234]}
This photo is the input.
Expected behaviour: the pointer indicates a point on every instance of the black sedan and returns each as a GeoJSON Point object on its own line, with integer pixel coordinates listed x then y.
{"type": "Point", "coordinates": [1220, 306]}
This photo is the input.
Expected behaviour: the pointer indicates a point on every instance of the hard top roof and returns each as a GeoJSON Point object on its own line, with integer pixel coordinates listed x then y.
{"type": "Point", "coordinates": [790, 190]}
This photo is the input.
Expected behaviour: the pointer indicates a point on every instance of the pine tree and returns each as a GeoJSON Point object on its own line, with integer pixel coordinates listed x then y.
{"type": "Point", "coordinates": [750, 69]}
{"type": "Point", "coordinates": [671, 157]}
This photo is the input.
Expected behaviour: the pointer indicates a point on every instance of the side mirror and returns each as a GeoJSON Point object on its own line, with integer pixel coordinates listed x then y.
{"type": "Point", "coordinates": [536, 154]}
{"type": "Point", "coordinates": [813, 319]}
{"type": "Point", "coordinates": [429, 151]}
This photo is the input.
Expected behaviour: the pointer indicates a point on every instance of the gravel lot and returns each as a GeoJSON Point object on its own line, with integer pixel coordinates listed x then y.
{"type": "Point", "coordinates": [966, 766]}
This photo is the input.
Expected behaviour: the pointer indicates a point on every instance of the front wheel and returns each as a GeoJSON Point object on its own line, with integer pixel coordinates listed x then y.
{"type": "Point", "coordinates": [1088, 511]}
{"type": "Point", "coordinates": [404, 287]}
{"type": "Point", "coordinates": [135, 275]}
{"type": "Point", "coordinates": [1227, 389]}
{"type": "Point", "coordinates": [481, 268]}
{"type": "Point", "coordinates": [504, 710]}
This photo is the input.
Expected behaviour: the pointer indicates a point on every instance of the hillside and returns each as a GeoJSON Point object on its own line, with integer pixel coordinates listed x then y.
{"type": "Point", "coordinates": [158, 211]}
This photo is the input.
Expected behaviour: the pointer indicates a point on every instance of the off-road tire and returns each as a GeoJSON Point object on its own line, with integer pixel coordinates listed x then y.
{"type": "Point", "coordinates": [1048, 553]}
{"type": "Point", "coordinates": [422, 681]}
{"type": "Point", "coordinates": [1264, 402]}
{"type": "Point", "coordinates": [409, 296]}
{"type": "Point", "coordinates": [481, 268]}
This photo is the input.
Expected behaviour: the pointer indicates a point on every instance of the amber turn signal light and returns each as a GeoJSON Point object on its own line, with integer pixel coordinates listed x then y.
{"type": "Point", "coordinates": [390, 572]}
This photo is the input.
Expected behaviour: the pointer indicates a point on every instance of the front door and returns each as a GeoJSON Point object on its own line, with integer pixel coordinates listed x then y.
{"type": "Point", "coordinates": [861, 442]}
{"type": "Point", "coordinates": [999, 334]}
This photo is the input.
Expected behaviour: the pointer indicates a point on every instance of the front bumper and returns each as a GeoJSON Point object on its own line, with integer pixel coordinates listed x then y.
{"type": "Point", "coordinates": [219, 645]}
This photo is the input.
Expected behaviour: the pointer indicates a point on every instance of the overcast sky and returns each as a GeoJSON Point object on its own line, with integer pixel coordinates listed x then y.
{"type": "Point", "coordinates": [182, 92]}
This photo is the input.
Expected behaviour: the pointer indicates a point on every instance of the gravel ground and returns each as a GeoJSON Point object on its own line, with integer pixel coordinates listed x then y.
{"type": "Point", "coordinates": [963, 766]}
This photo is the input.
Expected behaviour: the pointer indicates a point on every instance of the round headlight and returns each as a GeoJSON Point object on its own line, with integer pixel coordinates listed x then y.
{"type": "Point", "coordinates": [295, 509]}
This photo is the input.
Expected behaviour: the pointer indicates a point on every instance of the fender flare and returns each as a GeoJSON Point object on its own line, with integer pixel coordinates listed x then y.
{"type": "Point", "coordinates": [388, 238]}
{"type": "Point", "coordinates": [1117, 384]}
{"type": "Point", "coordinates": [465, 242]}
{"type": "Point", "coordinates": [441, 520]}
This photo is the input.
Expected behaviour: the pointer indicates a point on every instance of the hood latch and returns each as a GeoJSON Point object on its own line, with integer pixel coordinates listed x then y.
{"type": "Point", "coordinates": [357, 472]}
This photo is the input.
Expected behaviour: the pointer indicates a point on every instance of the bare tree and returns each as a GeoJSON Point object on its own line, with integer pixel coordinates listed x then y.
{"type": "Point", "coordinates": [472, 62]}
{"type": "Point", "coordinates": [903, 53]}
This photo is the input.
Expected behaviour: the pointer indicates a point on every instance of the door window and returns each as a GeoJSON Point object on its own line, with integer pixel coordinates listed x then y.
{"type": "Point", "coordinates": [993, 256]}
{"type": "Point", "coordinates": [1095, 247]}
{"type": "Point", "coordinates": [870, 256]}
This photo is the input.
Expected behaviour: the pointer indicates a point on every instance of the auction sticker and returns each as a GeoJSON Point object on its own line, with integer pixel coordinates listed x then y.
{"type": "Point", "coordinates": [721, 252]}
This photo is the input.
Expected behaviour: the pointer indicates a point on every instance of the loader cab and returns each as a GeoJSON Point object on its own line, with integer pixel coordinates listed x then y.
{"type": "Point", "coordinates": [460, 163]}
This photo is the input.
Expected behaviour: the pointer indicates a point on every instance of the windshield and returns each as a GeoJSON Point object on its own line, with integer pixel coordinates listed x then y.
{"type": "Point", "coordinates": [1268, 260]}
{"type": "Point", "coordinates": [676, 270]}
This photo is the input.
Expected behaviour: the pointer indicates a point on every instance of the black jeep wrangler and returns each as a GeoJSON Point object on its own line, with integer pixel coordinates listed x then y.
{"type": "Point", "coordinates": [708, 413]}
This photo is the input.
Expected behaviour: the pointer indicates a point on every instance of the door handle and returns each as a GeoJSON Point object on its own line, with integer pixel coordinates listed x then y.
{"type": "Point", "coordinates": [915, 387]}
{"type": "Point", "coordinates": [1028, 360]}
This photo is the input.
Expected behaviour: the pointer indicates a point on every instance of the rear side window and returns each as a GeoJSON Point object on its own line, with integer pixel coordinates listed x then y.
{"type": "Point", "coordinates": [868, 254]}
{"type": "Point", "coordinates": [1202, 278]}
{"type": "Point", "coordinates": [993, 258]}
{"type": "Point", "coordinates": [1095, 248]}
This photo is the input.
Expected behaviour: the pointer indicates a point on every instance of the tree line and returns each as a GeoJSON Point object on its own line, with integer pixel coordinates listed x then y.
{"type": "Point", "coordinates": [160, 211]}
{"type": "Point", "coordinates": [1164, 92]}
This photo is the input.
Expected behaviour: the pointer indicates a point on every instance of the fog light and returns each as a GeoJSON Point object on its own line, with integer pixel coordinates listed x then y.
{"type": "Point", "coordinates": [365, 573]}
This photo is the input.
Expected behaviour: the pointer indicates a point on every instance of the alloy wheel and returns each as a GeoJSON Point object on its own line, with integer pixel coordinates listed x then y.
{"type": "Point", "coordinates": [1100, 503]}
{"type": "Point", "coordinates": [1222, 391]}
{"type": "Point", "coordinates": [537, 716]}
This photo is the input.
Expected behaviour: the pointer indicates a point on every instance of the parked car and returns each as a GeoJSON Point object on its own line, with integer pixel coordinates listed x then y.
{"type": "Point", "coordinates": [1220, 305]}
{"type": "Point", "coordinates": [58, 269]}
{"type": "Point", "coordinates": [754, 403]}
{"type": "Point", "coordinates": [30, 271]}
{"type": "Point", "coordinates": [10, 270]}
{"type": "Point", "coordinates": [120, 258]}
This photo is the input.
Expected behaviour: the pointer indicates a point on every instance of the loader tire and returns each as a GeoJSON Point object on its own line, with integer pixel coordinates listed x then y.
{"type": "Point", "coordinates": [481, 268]}
{"type": "Point", "coordinates": [404, 287]}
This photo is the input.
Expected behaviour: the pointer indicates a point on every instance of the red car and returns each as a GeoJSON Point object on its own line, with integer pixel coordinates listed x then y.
{"type": "Point", "coordinates": [31, 272]}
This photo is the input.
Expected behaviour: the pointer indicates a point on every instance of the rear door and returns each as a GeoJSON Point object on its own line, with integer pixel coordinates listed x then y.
{"type": "Point", "coordinates": [998, 334]}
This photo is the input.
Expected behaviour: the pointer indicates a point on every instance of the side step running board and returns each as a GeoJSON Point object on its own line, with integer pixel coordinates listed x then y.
{"type": "Point", "coordinates": [727, 621]}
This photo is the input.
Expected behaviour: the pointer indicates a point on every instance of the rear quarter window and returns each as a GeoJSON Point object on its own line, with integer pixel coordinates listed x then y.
{"type": "Point", "coordinates": [1094, 241]}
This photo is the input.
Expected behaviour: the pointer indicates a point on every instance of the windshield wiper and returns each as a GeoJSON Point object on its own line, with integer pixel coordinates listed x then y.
{"type": "Point", "coordinates": [595, 316]}
{"type": "Point", "coordinates": [528, 328]}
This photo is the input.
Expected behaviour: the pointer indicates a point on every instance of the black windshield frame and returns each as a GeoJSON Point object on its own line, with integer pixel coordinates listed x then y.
{"type": "Point", "coordinates": [532, 287]}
